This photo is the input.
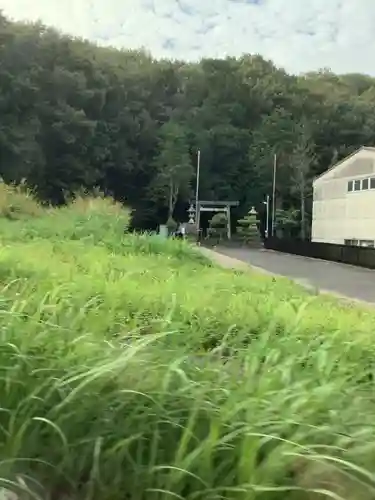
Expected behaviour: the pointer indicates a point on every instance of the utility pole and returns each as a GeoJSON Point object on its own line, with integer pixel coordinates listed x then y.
{"type": "Point", "coordinates": [197, 211]}
{"type": "Point", "coordinates": [267, 203]}
{"type": "Point", "coordinates": [274, 195]}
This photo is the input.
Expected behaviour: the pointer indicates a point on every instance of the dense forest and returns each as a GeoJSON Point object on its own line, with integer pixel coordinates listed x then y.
{"type": "Point", "coordinates": [77, 116]}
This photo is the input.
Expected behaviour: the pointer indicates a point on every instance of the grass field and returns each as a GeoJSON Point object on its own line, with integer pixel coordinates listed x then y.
{"type": "Point", "coordinates": [133, 369]}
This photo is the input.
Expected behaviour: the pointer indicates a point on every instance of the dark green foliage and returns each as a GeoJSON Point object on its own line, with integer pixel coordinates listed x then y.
{"type": "Point", "coordinates": [173, 167]}
{"type": "Point", "coordinates": [286, 221]}
{"type": "Point", "coordinates": [218, 226]}
{"type": "Point", "coordinates": [171, 225]}
{"type": "Point", "coordinates": [74, 115]}
{"type": "Point", "coordinates": [248, 229]}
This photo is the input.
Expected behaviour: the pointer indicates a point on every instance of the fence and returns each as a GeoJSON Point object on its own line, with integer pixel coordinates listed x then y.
{"type": "Point", "coordinates": [356, 256]}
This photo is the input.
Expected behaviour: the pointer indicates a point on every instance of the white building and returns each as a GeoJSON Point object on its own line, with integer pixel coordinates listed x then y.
{"type": "Point", "coordinates": [344, 201]}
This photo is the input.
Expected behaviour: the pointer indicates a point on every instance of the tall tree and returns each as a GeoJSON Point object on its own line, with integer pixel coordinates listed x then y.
{"type": "Point", "coordinates": [173, 165]}
{"type": "Point", "coordinates": [77, 115]}
{"type": "Point", "coordinates": [301, 161]}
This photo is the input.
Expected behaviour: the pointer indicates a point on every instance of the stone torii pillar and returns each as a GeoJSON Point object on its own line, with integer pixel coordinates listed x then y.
{"type": "Point", "coordinates": [216, 206]}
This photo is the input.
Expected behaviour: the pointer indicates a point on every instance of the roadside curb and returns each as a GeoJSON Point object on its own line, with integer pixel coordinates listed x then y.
{"type": "Point", "coordinates": [224, 260]}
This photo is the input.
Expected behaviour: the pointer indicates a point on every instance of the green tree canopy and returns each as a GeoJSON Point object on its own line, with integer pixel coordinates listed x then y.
{"type": "Point", "coordinates": [75, 115]}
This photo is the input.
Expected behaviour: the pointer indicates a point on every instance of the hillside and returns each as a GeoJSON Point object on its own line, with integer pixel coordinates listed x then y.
{"type": "Point", "coordinates": [74, 115]}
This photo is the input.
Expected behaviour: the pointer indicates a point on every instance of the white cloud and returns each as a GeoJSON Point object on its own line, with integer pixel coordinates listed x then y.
{"type": "Point", "coordinates": [299, 35]}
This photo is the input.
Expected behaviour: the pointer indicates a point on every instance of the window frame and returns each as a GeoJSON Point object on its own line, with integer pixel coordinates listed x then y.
{"type": "Point", "coordinates": [367, 243]}
{"type": "Point", "coordinates": [351, 243]}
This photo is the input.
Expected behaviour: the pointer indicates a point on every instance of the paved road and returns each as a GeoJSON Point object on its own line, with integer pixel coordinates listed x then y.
{"type": "Point", "coordinates": [352, 282]}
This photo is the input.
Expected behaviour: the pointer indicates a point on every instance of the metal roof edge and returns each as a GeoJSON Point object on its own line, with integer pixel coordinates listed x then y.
{"type": "Point", "coordinates": [342, 161]}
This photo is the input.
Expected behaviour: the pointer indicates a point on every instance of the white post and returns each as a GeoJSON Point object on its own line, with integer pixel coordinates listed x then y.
{"type": "Point", "coordinates": [274, 195]}
{"type": "Point", "coordinates": [229, 229]}
{"type": "Point", "coordinates": [267, 202]}
{"type": "Point", "coordinates": [197, 211]}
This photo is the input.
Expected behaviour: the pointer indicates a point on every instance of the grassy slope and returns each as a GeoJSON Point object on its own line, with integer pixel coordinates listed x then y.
{"type": "Point", "coordinates": [113, 386]}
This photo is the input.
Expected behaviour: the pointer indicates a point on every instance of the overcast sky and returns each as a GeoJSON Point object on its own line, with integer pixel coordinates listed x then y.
{"type": "Point", "coordinates": [300, 35]}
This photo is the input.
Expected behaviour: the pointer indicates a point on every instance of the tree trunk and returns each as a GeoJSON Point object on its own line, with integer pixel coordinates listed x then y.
{"type": "Point", "coordinates": [170, 204]}
{"type": "Point", "coordinates": [173, 195]}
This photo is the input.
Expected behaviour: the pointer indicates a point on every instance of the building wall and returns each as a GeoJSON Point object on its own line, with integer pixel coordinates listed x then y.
{"type": "Point", "coordinates": [340, 215]}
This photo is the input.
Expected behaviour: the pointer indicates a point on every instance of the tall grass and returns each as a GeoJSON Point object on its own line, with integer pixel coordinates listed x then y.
{"type": "Point", "coordinates": [133, 369]}
{"type": "Point", "coordinates": [17, 202]}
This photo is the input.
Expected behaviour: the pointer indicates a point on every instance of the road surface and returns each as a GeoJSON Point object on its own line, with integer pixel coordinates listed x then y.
{"type": "Point", "coordinates": [352, 282]}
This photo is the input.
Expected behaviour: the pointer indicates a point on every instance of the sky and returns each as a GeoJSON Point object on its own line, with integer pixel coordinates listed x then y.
{"type": "Point", "coordinates": [299, 35]}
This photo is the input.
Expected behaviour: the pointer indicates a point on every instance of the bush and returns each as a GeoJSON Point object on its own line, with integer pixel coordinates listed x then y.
{"type": "Point", "coordinates": [171, 225]}
{"type": "Point", "coordinates": [218, 226]}
{"type": "Point", "coordinates": [248, 230]}
{"type": "Point", "coordinates": [18, 203]}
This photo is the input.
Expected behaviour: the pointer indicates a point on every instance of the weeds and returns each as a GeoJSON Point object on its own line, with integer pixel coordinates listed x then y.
{"type": "Point", "coordinates": [18, 203]}
{"type": "Point", "coordinates": [132, 369]}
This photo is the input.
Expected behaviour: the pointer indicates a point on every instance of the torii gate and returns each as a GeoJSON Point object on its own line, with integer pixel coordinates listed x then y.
{"type": "Point", "coordinates": [213, 206]}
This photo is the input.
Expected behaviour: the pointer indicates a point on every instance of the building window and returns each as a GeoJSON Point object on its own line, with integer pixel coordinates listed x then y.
{"type": "Point", "coordinates": [360, 243]}
{"type": "Point", "coordinates": [351, 243]}
{"type": "Point", "coordinates": [366, 243]}
{"type": "Point", "coordinates": [361, 184]}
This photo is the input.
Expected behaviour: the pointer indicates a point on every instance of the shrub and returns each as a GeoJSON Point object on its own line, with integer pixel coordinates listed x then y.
{"type": "Point", "coordinates": [248, 230]}
{"type": "Point", "coordinates": [171, 225]}
{"type": "Point", "coordinates": [16, 202]}
{"type": "Point", "coordinates": [218, 226]}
